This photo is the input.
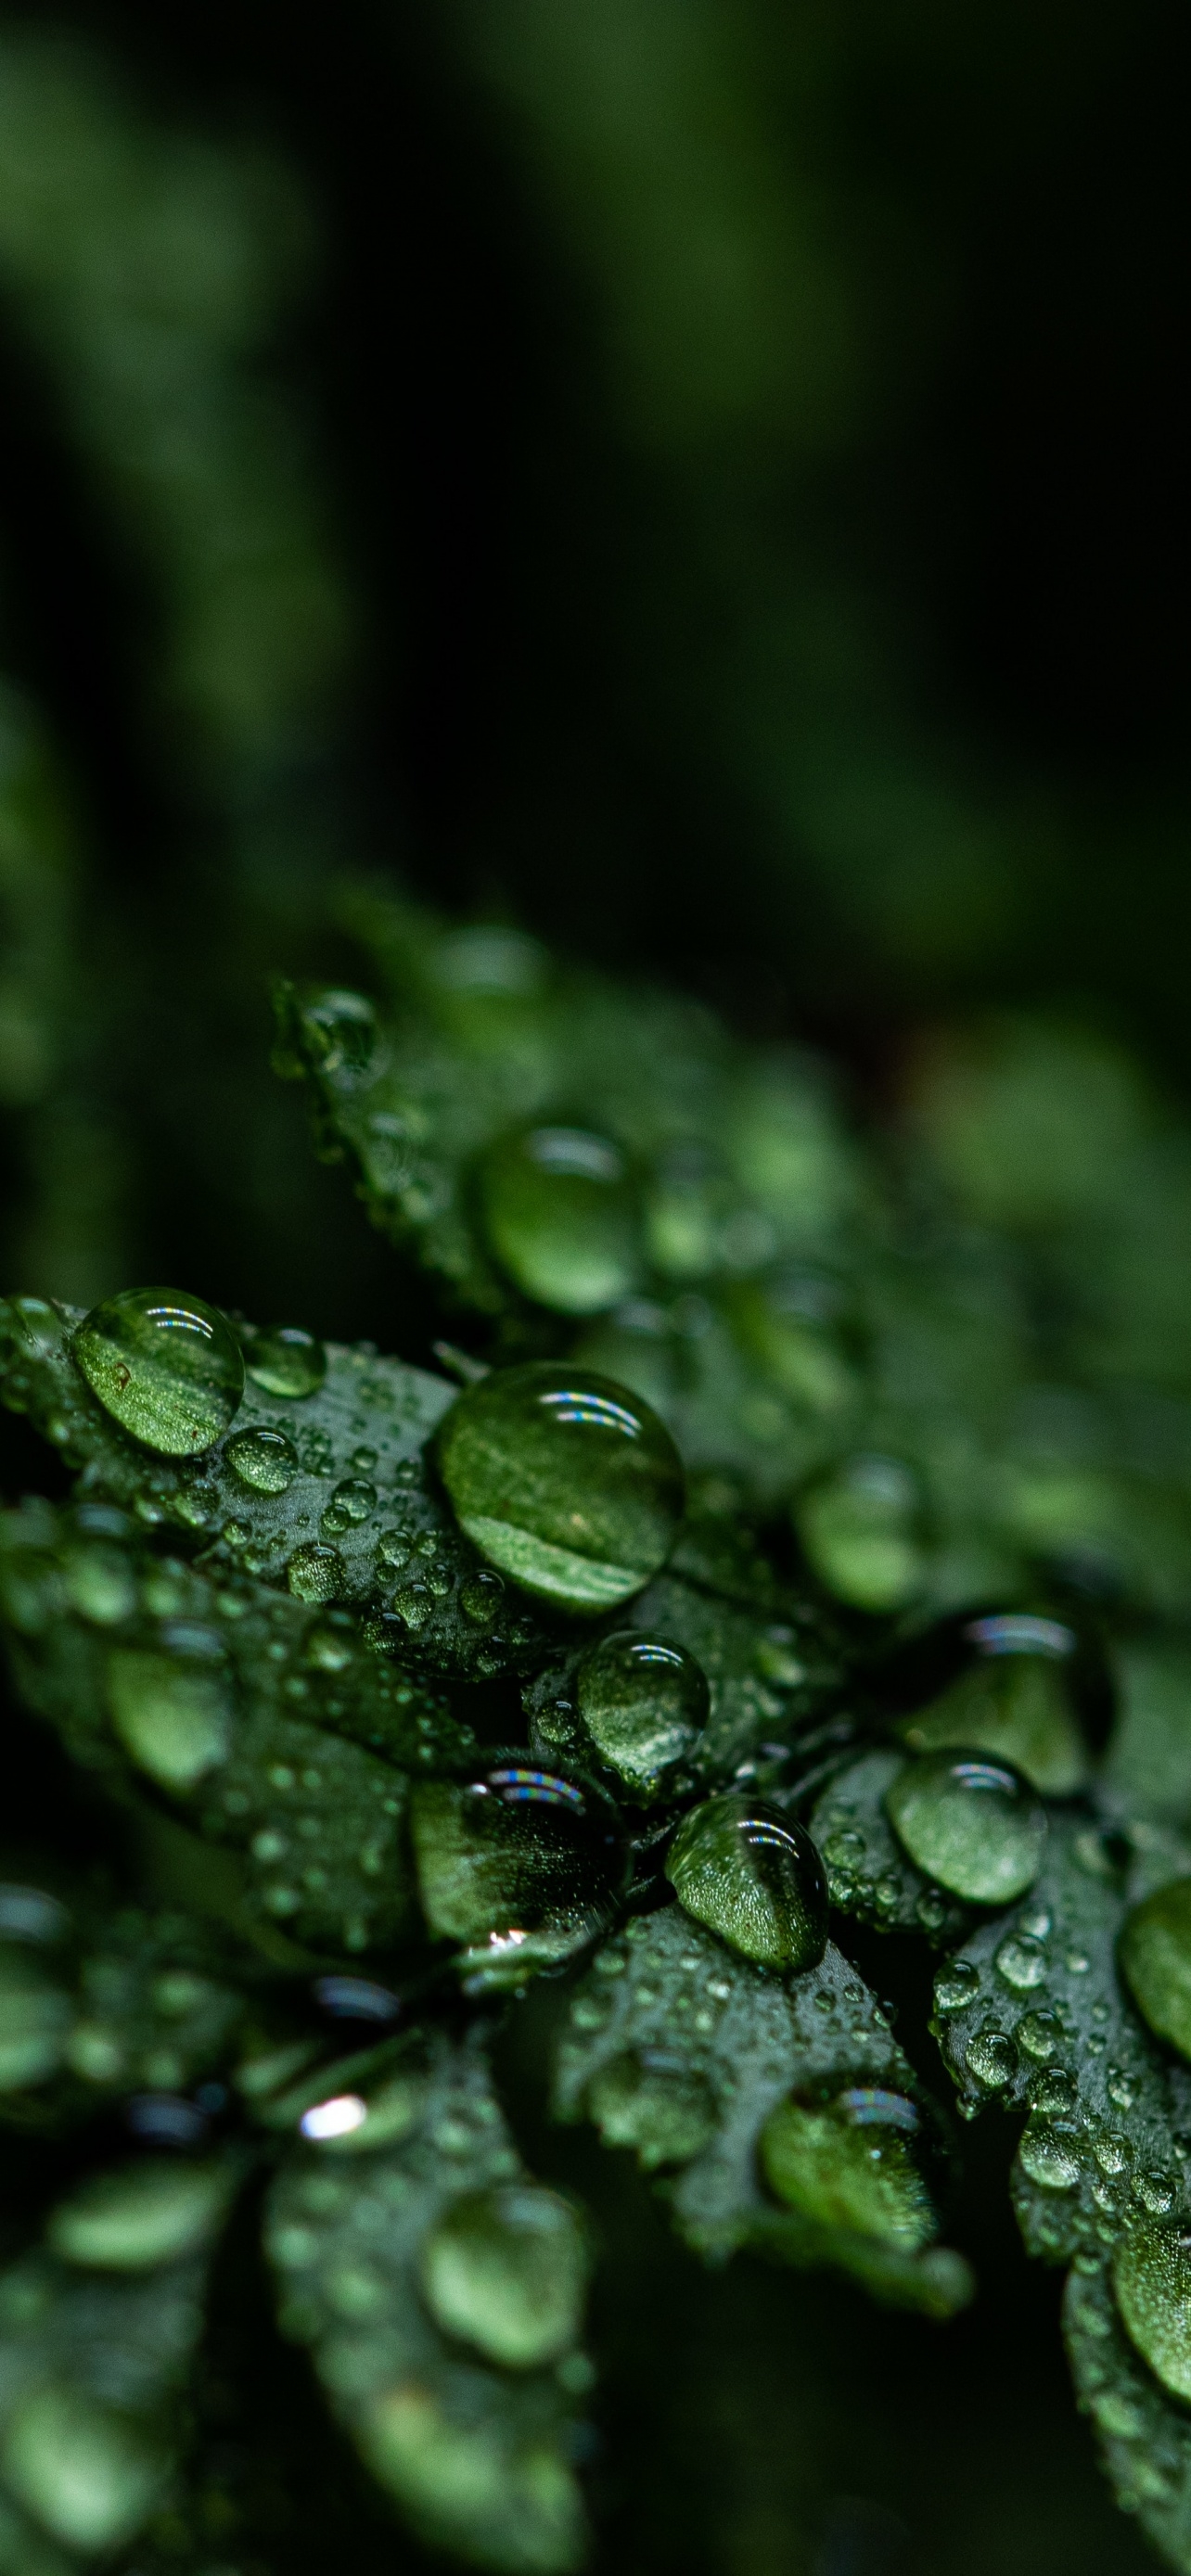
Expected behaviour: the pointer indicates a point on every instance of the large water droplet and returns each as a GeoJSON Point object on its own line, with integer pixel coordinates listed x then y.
{"type": "Point", "coordinates": [86, 2473]}
{"type": "Point", "coordinates": [166, 1366]}
{"type": "Point", "coordinates": [564, 1481]}
{"type": "Point", "coordinates": [172, 1713]}
{"type": "Point", "coordinates": [1022, 1962]}
{"type": "Point", "coordinates": [1151, 2276]}
{"type": "Point", "coordinates": [561, 1219]}
{"type": "Point", "coordinates": [644, 1703]}
{"type": "Point", "coordinates": [316, 1573]}
{"type": "Point", "coordinates": [521, 1865]}
{"type": "Point", "coordinates": [850, 2163]}
{"type": "Point", "coordinates": [754, 1876]}
{"type": "Point", "coordinates": [286, 1361]}
{"type": "Point", "coordinates": [1013, 1702]}
{"type": "Point", "coordinates": [266, 1460]}
{"type": "Point", "coordinates": [151, 2212]}
{"type": "Point", "coordinates": [860, 1529]}
{"type": "Point", "coordinates": [506, 2270]}
{"type": "Point", "coordinates": [975, 1826]}
{"type": "Point", "coordinates": [1155, 1955]}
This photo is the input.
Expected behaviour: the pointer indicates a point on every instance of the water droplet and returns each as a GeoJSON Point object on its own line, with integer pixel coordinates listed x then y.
{"type": "Point", "coordinates": [481, 1598]}
{"type": "Point", "coordinates": [266, 1460]}
{"type": "Point", "coordinates": [859, 1528]}
{"type": "Point", "coordinates": [166, 1366]}
{"type": "Point", "coordinates": [644, 1703]}
{"type": "Point", "coordinates": [99, 1584]}
{"type": "Point", "coordinates": [316, 1573]}
{"type": "Point", "coordinates": [1155, 2191]}
{"type": "Point", "coordinates": [521, 1865]}
{"type": "Point", "coordinates": [35, 2021]}
{"type": "Point", "coordinates": [956, 1984]}
{"type": "Point", "coordinates": [991, 2057]}
{"type": "Point", "coordinates": [754, 1876]}
{"type": "Point", "coordinates": [561, 1219]}
{"type": "Point", "coordinates": [1050, 2156]}
{"type": "Point", "coordinates": [1151, 2276]}
{"type": "Point", "coordinates": [667, 2115]}
{"type": "Point", "coordinates": [973, 1825]}
{"type": "Point", "coordinates": [1022, 1962]}
{"type": "Point", "coordinates": [172, 1713]}
{"type": "Point", "coordinates": [506, 2270]}
{"type": "Point", "coordinates": [87, 2473]}
{"type": "Point", "coordinates": [1112, 2152]}
{"type": "Point", "coordinates": [564, 1481]}
{"type": "Point", "coordinates": [1053, 2093]}
{"type": "Point", "coordinates": [1013, 1703]}
{"type": "Point", "coordinates": [285, 1361]}
{"type": "Point", "coordinates": [1155, 1955]}
{"type": "Point", "coordinates": [154, 2211]}
{"type": "Point", "coordinates": [353, 1500]}
{"type": "Point", "coordinates": [850, 2163]}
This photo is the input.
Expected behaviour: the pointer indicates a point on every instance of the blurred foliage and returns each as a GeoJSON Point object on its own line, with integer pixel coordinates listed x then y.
{"type": "Point", "coordinates": [702, 487]}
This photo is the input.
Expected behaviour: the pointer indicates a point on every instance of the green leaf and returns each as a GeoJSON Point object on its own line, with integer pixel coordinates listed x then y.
{"type": "Point", "coordinates": [683, 2051]}
{"type": "Point", "coordinates": [95, 2004]}
{"type": "Point", "coordinates": [1143, 2435]}
{"type": "Point", "coordinates": [439, 2292]}
{"type": "Point", "coordinates": [235, 1703]}
{"type": "Point", "coordinates": [869, 1875]}
{"type": "Point", "coordinates": [359, 1494]}
{"type": "Point", "coordinates": [96, 2341]}
{"type": "Point", "coordinates": [1031, 2014]}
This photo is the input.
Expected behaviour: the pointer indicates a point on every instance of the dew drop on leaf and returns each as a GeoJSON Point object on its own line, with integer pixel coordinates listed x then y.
{"type": "Point", "coordinates": [264, 1459]}
{"type": "Point", "coordinates": [1050, 2156]}
{"type": "Point", "coordinates": [155, 2211]}
{"type": "Point", "coordinates": [754, 1876]}
{"type": "Point", "coordinates": [316, 1573]}
{"type": "Point", "coordinates": [859, 1528]}
{"type": "Point", "coordinates": [171, 1712]}
{"type": "Point", "coordinates": [1041, 2034]}
{"type": "Point", "coordinates": [644, 1703]}
{"type": "Point", "coordinates": [86, 2471]}
{"type": "Point", "coordinates": [286, 1361]}
{"type": "Point", "coordinates": [166, 1366]}
{"type": "Point", "coordinates": [481, 1598]}
{"type": "Point", "coordinates": [1155, 1956]}
{"type": "Point", "coordinates": [506, 2270]}
{"type": "Point", "coordinates": [1022, 1962]}
{"type": "Point", "coordinates": [974, 1825]}
{"type": "Point", "coordinates": [955, 1985]}
{"type": "Point", "coordinates": [1151, 2277]}
{"type": "Point", "coordinates": [850, 2163]}
{"type": "Point", "coordinates": [564, 1481]}
{"type": "Point", "coordinates": [991, 2058]}
{"type": "Point", "coordinates": [519, 1864]}
{"type": "Point", "coordinates": [560, 1218]}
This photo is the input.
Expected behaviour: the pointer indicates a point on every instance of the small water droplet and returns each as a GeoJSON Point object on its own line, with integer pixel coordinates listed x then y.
{"type": "Point", "coordinates": [172, 1712]}
{"type": "Point", "coordinates": [1155, 2191]}
{"type": "Point", "coordinates": [88, 2473]}
{"type": "Point", "coordinates": [266, 1460]}
{"type": "Point", "coordinates": [316, 1573]}
{"type": "Point", "coordinates": [991, 2057]}
{"type": "Point", "coordinates": [955, 1985]}
{"type": "Point", "coordinates": [561, 1218]}
{"type": "Point", "coordinates": [1053, 2093]}
{"type": "Point", "coordinates": [860, 1529]}
{"type": "Point", "coordinates": [753, 1875]}
{"type": "Point", "coordinates": [1041, 2034]}
{"type": "Point", "coordinates": [644, 1703]}
{"type": "Point", "coordinates": [1022, 1962]}
{"type": "Point", "coordinates": [352, 1501]}
{"type": "Point", "coordinates": [506, 2270]}
{"type": "Point", "coordinates": [481, 1597]}
{"type": "Point", "coordinates": [1050, 2156]}
{"type": "Point", "coordinates": [1120, 2087]}
{"type": "Point", "coordinates": [166, 1366]}
{"type": "Point", "coordinates": [1112, 2152]}
{"type": "Point", "coordinates": [564, 1481]}
{"type": "Point", "coordinates": [973, 1825]}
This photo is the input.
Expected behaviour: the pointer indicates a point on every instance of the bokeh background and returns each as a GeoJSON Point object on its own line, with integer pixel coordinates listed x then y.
{"type": "Point", "coordinates": [704, 479]}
